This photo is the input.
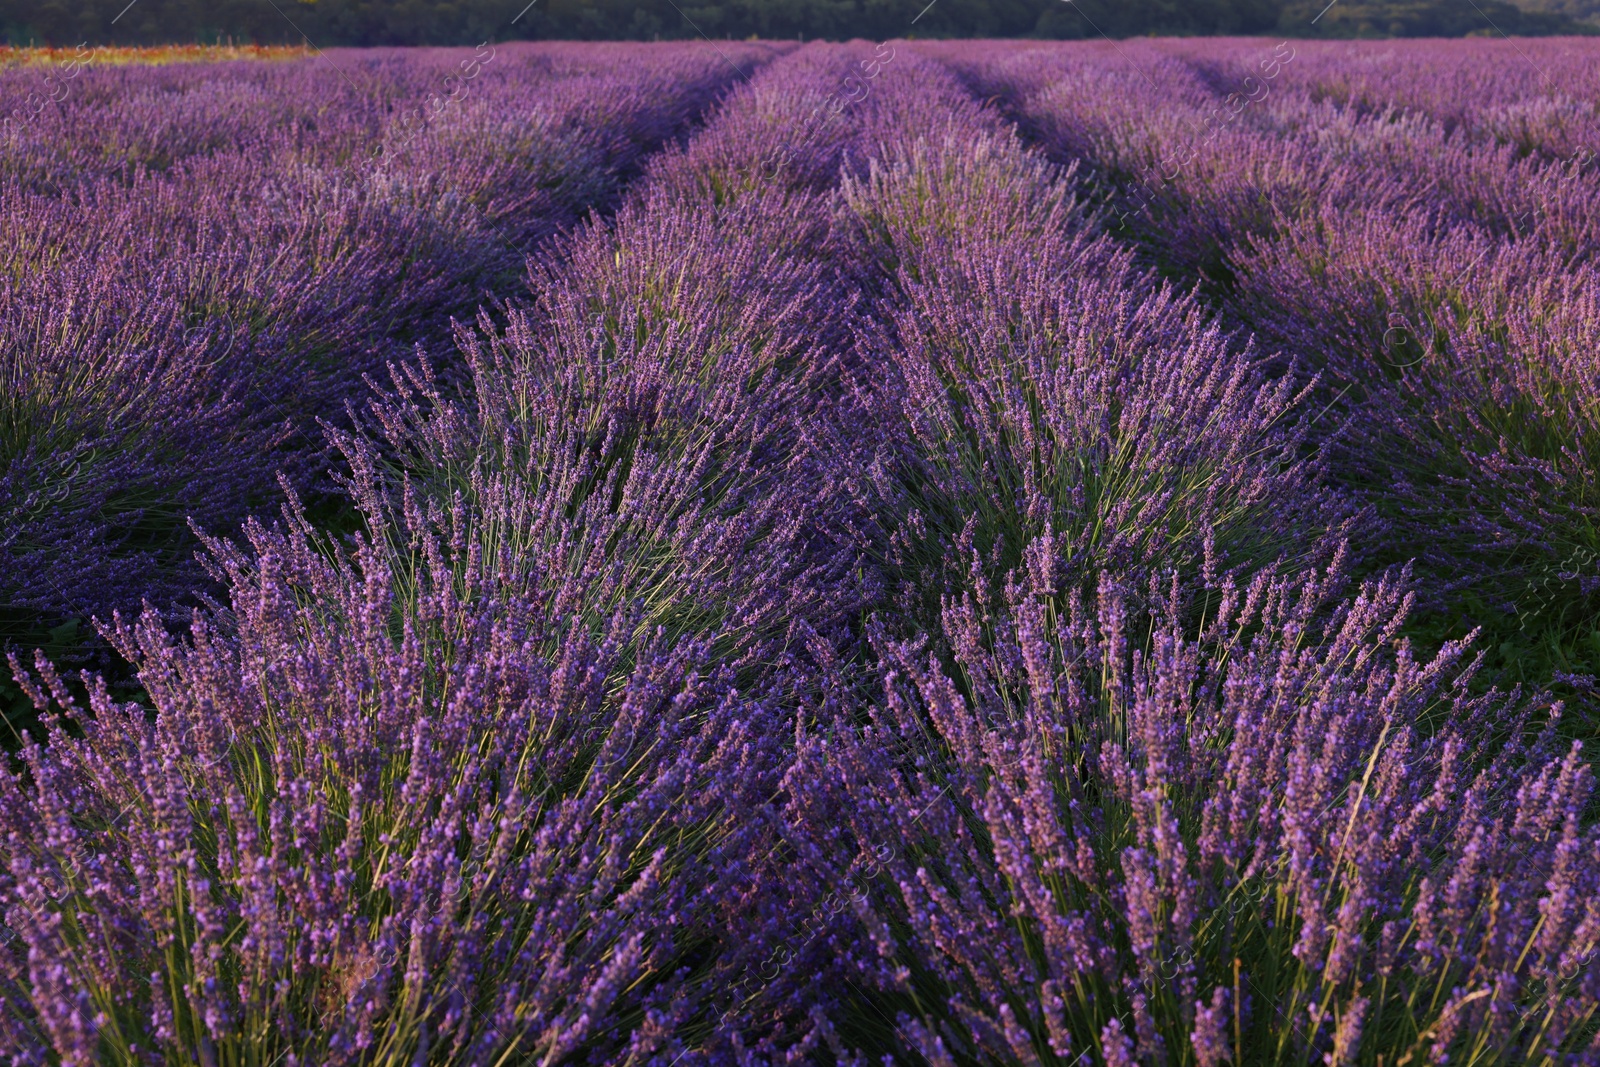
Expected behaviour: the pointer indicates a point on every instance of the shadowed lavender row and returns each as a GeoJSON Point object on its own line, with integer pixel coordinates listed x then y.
{"type": "Point", "coordinates": [174, 327]}
{"type": "Point", "coordinates": [1435, 267]}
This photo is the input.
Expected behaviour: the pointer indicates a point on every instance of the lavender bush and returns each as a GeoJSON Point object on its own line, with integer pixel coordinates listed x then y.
{"type": "Point", "coordinates": [666, 384]}
{"type": "Point", "coordinates": [1044, 388]}
{"type": "Point", "coordinates": [375, 822]}
{"type": "Point", "coordinates": [1276, 839]}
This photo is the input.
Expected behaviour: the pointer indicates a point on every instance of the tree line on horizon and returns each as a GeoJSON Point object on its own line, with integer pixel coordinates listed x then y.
{"type": "Point", "coordinates": [328, 23]}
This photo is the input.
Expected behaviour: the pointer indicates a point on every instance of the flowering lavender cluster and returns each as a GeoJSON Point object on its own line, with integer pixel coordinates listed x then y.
{"type": "Point", "coordinates": [834, 554]}
{"type": "Point", "coordinates": [1380, 218]}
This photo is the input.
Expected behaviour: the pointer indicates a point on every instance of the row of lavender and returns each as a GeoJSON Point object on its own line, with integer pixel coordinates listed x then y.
{"type": "Point", "coordinates": [200, 264]}
{"type": "Point", "coordinates": [1417, 226]}
{"type": "Point", "coordinates": [852, 607]}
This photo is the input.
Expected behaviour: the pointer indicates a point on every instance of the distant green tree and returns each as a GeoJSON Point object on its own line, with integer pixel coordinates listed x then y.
{"type": "Point", "coordinates": [326, 23]}
{"type": "Point", "coordinates": [1419, 18]}
{"type": "Point", "coordinates": [1126, 18]}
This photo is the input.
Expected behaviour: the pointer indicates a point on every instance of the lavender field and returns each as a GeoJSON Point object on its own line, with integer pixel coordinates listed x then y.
{"type": "Point", "coordinates": [749, 553]}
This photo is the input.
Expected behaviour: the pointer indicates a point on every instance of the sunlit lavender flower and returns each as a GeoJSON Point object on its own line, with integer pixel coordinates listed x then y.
{"type": "Point", "coordinates": [1139, 813]}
